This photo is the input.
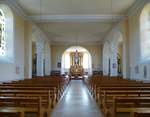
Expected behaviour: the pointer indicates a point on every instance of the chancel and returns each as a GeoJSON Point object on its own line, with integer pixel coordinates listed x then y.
{"type": "Point", "coordinates": [74, 58]}
{"type": "Point", "coordinates": [76, 62]}
{"type": "Point", "coordinates": [76, 68]}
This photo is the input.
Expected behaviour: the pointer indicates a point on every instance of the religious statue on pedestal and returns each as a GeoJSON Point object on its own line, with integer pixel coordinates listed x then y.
{"type": "Point", "coordinates": [76, 68]}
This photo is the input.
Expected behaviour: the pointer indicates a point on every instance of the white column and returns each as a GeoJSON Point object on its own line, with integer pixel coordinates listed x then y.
{"type": "Point", "coordinates": [47, 59]}
{"type": "Point", "coordinates": [114, 64]}
{"type": "Point", "coordinates": [40, 51]}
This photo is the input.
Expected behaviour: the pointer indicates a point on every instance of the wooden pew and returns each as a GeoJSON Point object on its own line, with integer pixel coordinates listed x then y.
{"type": "Point", "coordinates": [109, 96]}
{"type": "Point", "coordinates": [104, 89]}
{"type": "Point", "coordinates": [138, 104]}
{"type": "Point", "coordinates": [47, 88]}
{"type": "Point", "coordinates": [95, 83]}
{"type": "Point", "coordinates": [46, 101]}
{"type": "Point", "coordinates": [100, 93]}
{"type": "Point", "coordinates": [59, 83]}
{"type": "Point", "coordinates": [41, 82]}
{"type": "Point", "coordinates": [20, 105]}
{"type": "Point", "coordinates": [140, 112]}
{"type": "Point", "coordinates": [53, 92]}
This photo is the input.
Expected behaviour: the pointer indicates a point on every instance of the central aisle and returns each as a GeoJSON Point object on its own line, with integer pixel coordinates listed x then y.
{"type": "Point", "coordinates": [77, 103]}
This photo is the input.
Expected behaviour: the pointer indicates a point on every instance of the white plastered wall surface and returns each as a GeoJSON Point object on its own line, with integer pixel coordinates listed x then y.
{"type": "Point", "coordinates": [136, 65]}
{"type": "Point", "coordinates": [20, 66]}
{"type": "Point", "coordinates": [133, 68]}
{"type": "Point", "coordinates": [110, 50]}
{"type": "Point", "coordinates": [42, 49]}
{"type": "Point", "coordinates": [14, 68]}
{"type": "Point", "coordinates": [95, 51]}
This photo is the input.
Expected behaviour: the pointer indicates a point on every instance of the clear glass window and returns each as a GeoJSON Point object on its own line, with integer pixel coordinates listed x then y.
{"type": "Point", "coordinates": [2, 34]}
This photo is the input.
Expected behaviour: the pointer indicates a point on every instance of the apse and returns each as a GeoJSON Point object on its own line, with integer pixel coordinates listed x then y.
{"type": "Point", "coordinates": [76, 56]}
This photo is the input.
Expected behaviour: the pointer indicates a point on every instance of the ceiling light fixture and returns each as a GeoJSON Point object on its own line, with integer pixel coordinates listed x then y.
{"type": "Point", "coordinates": [40, 10]}
{"type": "Point", "coordinates": [111, 11]}
{"type": "Point", "coordinates": [76, 51]}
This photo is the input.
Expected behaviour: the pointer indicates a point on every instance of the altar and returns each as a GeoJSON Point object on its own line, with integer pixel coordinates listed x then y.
{"type": "Point", "coordinates": [76, 68]}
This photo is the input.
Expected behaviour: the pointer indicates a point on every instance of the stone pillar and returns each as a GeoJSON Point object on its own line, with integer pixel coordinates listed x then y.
{"type": "Point", "coordinates": [114, 64]}
{"type": "Point", "coordinates": [40, 51]}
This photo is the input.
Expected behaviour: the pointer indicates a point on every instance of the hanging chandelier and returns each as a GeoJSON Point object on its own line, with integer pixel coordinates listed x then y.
{"type": "Point", "coordinates": [76, 56]}
{"type": "Point", "coordinates": [111, 11]}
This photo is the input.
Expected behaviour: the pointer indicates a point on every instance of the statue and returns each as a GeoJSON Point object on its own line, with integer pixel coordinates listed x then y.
{"type": "Point", "coordinates": [76, 58]}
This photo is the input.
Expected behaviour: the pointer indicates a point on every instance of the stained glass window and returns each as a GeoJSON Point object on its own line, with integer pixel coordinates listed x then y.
{"type": "Point", "coordinates": [2, 34]}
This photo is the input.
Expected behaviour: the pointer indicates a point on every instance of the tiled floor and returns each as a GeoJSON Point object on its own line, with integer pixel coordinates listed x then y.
{"type": "Point", "coordinates": [77, 103]}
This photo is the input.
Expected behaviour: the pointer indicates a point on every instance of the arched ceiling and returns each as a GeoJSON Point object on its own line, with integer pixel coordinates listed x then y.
{"type": "Point", "coordinates": [73, 32]}
{"type": "Point", "coordinates": [76, 7]}
{"type": "Point", "coordinates": [64, 21]}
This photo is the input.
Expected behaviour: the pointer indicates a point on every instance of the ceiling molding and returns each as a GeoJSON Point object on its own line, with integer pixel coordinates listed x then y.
{"type": "Point", "coordinates": [136, 6]}
{"type": "Point", "coordinates": [16, 7]}
{"type": "Point", "coordinates": [66, 18]}
{"type": "Point", "coordinates": [79, 44]}
{"type": "Point", "coordinates": [73, 18]}
{"type": "Point", "coordinates": [69, 18]}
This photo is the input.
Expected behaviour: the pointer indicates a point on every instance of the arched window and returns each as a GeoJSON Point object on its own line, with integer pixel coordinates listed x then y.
{"type": "Point", "coordinates": [86, 61]}
{"type": "Point", "coordinates": [2, 34]}
{"type": "Point", "coordinates": [67, 60]}
{"type": "Point", "coordinates": [145, 33]}
{"type": "Point", "coordinates": [6, 34]}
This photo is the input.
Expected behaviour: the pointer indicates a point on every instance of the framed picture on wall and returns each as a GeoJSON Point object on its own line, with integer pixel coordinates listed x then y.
{"type": "Point", "coordinates": [145, 71]}
{"type": "Point", "coordinates": [137, 69]}
{"type": "Point", "coordinates": [59, 64]}
{"type": "Point", "coordinates": [114, 65]}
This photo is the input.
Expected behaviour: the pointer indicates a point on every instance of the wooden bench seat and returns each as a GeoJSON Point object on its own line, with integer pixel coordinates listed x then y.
{"type": "Point", "coordinates": [140, 112]}
{"type": "Point", "coordinates": [105, 88]}
{"type": "Point", "coordinates": [108, 99]}
{"type": "Point", "coordinates": [139, 103]}
{"type": "Point", "coordinates": [53, 91]}
{"type": "Point", "coordinates": [45, 95]}
{"type": "Point", "coordinates": [48, 89]}
{"type": "Point", "coordinates": [53, 88]}
{"type": "Point", "coordinates": [119, 90]}
{"type": "Point", "coordinates": [14, 105]}
{"type": "Point", "coordinates": [4, 110]}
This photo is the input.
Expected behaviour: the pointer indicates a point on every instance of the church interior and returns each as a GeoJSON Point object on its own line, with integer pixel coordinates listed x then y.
{"type": "Point", "coordinates": [74, 58]}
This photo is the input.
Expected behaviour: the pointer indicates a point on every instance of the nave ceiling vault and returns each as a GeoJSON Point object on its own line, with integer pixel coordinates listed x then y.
{"type": "Point", "coordinates": [65, 21]}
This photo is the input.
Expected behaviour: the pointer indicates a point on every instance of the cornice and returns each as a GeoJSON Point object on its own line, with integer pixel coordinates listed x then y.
{"type": "Point", "coordinates": [79, 44]}
{"type": "Point", "coordinates": [136, 6]}
{"type": "Point", "coordinates": [79, 18]}
{"type": "Point", "coordinates": [62, 18]}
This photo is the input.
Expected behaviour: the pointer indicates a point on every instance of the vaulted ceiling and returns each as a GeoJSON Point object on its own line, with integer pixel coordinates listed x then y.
{"type": "Point", "coordinates": [71, 32]}
{"type": "Point", "coordinates": [64, 21]}
{"type": "Point", "coordinates": [65, 7]}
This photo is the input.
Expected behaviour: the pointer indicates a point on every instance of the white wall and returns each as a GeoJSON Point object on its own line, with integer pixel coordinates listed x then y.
{"type": "Point", "coordinates": [33, 32]}
{"type": "Point", "coordinates": [21, 66]}
{"type": "Point", "coordinates": [95, 51]}
{"type": "Point", "coordinates": [133, 68]}
{"type": "Point", "coordinates": [15, 70]}
{"type": "Point", "coordinates": [110, 49]}
{"type": "Point", "coordinates": [136, 66]}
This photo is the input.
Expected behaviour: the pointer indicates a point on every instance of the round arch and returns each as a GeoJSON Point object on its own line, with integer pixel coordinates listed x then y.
{"type": "Point", "coordinates": [87, 59]}
{"type": "Point", "coordinates": [117, 54]}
